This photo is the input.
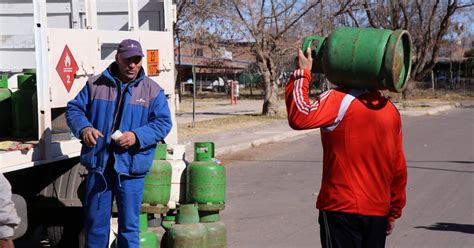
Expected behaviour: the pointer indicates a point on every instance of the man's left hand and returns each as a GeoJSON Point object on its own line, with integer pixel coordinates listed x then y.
{"type": "Point", "coordinates": [6, 243]}
{"type": "Point", "coordinates": [127, 140]}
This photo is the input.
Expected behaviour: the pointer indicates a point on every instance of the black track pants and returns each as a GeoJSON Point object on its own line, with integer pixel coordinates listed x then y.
{"type": "Point", "coordinates": [343, 230]}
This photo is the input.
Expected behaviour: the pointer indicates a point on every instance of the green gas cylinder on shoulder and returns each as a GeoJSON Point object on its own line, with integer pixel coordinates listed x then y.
{"type": "Point", "coordinates": [363, 58]}
{"type": "Point", "coordinates": [157, 186]}
{"type": "Point", "coordinates": [206, 180]}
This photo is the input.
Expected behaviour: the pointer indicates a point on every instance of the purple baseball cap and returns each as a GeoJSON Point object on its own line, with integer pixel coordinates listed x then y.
{"type": "Point", "coordinates": [129, 48]}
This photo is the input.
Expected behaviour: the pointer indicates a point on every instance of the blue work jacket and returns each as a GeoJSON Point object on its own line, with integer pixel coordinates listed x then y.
{"type": "Point", "coordinates": [145, 113]}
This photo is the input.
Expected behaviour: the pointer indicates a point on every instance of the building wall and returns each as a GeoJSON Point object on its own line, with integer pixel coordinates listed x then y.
{"type": "Point", "coordinates": [226, 61]}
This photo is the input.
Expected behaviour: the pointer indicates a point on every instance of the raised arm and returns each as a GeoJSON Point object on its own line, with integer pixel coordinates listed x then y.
{"type": "Point", "coordinates": [303, 113]}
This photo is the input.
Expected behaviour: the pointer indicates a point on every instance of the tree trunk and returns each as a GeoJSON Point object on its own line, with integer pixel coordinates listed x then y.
{"type": "Point", "coordinates": [270, 103]}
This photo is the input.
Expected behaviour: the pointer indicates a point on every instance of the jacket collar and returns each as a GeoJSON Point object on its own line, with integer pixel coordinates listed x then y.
{"type": "Point", "coordinates": [111, 74]}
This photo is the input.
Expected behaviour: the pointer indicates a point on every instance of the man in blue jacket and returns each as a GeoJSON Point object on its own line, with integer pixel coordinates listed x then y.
{"type": "Point", "coordinates": [120, 98]}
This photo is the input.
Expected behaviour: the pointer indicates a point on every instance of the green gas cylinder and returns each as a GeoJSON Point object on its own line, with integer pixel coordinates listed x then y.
{"type": "Point", "coordinates": [168, 221]}
{"type": "Point", "coordinates": [157, 187]}
{"type": "Point", "coordinates": [188, 232]}
{"type": "Point", "coordinates": [363, 58]}
{"type": "Point", "coordinates": [206, 179]}
{"type": "Point", "coordinates": [22, 105]}
{"type": "Point", "coordinates": [148, 239]}
{"type": "Point", "coordinates": [216, 230]}
{"type": "Point", "coordinates": [5, 106]}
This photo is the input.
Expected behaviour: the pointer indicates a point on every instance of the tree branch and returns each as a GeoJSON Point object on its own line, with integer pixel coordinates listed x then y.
{"type": "Point", "coordinates": [465, 6]}
{"type": "Point", "coordinates": [274, 15]}
{"type": "Point", "coordinates": [403, 7]}
{"type": "Point", "coordinates": [370, 18]}
{"type": "Point", "coordinates": [297, 19]}
{"type": "Point", "coordinates": [351, 15]}
{"type": "Point", "coordinates": [250, 29]}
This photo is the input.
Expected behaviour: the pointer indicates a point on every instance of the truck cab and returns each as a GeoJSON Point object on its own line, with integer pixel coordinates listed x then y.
{"type": "Point", "coordinates": [49, 49]}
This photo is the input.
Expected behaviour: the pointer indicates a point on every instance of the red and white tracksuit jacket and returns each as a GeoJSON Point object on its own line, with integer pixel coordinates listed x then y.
{"type": "Point", "coordinates": [364, 167]}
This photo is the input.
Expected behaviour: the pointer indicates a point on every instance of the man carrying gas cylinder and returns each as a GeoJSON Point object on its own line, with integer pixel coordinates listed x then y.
{"type": "Point", "coordinates": [364, 168]}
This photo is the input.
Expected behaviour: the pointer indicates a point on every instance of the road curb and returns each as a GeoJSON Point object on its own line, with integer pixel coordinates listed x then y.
{"type": "Point", "coordinates": [262, 141]}
{"type": "Point", "coordinates": [430, 111]}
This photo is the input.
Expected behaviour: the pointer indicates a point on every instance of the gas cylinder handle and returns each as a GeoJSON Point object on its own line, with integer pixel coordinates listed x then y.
{"type": "Point", "coordinates": [308, 41]}
{"type": "Point", "coordinates": [203, 151]}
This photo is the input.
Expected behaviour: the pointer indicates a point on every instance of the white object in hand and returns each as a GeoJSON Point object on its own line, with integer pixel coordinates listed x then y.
{"type": "Point", "coordinates": [117, 134]}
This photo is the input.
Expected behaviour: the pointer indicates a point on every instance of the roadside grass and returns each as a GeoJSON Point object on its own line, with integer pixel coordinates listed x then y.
{"type": "Point", "coordinates": [186, 130]}
{"type": "Point", "coordinates": [429, 95]}
{"type": "Point", "coordinates": [186, 104]}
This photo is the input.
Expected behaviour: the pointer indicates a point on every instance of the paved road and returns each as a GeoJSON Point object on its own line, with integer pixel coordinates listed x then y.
{"type": "Point", "coordinates": [272, 189]}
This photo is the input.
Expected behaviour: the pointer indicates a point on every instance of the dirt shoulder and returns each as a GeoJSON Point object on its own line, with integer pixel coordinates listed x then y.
{"type": "Point", "coordinates": [186, 130]}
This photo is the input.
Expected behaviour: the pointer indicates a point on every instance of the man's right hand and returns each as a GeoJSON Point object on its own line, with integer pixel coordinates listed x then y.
{"type": "Point", "coordinates": [90, 136]}
{"type": "Point", "coordinates": [390, 227]}
{"type": "Point", "coordinates": [304, 62]}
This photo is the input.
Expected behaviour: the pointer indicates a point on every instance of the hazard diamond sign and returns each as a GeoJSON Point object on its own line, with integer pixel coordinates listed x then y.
{"type": "Point", "coordinates": [67, 68]}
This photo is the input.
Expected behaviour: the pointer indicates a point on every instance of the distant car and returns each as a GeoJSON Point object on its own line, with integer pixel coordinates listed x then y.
{"type": "Point", "coordinates": [441, 78]}
{"type": "Point", "coordinates": [220, 85]}
{"type": "Point", "coordinates": [214, 84]}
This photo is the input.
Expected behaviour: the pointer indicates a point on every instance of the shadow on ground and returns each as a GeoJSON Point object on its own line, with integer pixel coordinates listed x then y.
{"type": "Point", "coordinates": [450, 227]}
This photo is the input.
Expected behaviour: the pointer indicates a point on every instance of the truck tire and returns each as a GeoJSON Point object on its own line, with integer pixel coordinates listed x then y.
{"type": "Point", "coordinates": [64, 229]}
{"type": "Point", "coordinates": [55, 235]}
{"type": "Point", "coordinates": [21, 210]}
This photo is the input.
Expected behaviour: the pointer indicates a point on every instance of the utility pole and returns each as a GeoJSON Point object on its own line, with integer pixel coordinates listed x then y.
{"type": "Point", "coordinates": [194, 96]}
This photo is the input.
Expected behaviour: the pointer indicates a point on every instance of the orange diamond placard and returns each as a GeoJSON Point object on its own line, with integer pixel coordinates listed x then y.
{"type": "Point", "coordinates": [67, 68]}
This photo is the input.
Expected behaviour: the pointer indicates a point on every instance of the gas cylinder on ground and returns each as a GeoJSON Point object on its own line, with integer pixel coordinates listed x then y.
{"type": "Point", "coordinates": [22, 105]}
{"type": "Point", "coordinates": [148, 239]}
{"type": "Point", "coordinates": [206, 179]}
{"type": "Point", "coordinates": [158, 181]}
{"type": "Point", "coordinates": [363, 58]}
{"type": "Point", "coordinates": [188, 232]}
{"type": "Point", "coordinates": [167, 222]}
{"type": "Point", "coordinates": [5, 106]}
{"type": "Point", "coordinates": [216, 230]}
{"type": "Point", "coordinates": [175, 155]}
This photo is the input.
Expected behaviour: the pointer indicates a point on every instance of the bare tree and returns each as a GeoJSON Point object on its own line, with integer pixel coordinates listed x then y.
{"type": "Point", "coordinates": [181, 7]}
{"type": "Point", "coordinates": [267, 23]}
{"type": "Point", "coordinates": [427, 21]}
{"type": "Point", "coordinates": [273, 27]}
{"type": "Point", "coordinates": [194, 20]}
{"type": "Point", "coordinates": [323, 19]}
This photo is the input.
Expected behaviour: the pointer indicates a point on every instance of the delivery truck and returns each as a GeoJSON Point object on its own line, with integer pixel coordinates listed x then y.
{"type": "Point", "coordinates": [48, 50]}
